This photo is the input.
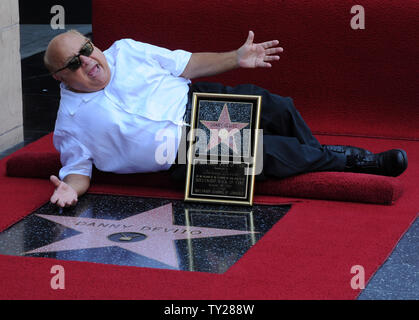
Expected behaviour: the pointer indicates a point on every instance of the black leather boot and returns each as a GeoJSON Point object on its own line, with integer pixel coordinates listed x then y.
{"type": "Point", "coordinates": [347, 150]}
{"type": "Point", "coordinates": [389, 163]}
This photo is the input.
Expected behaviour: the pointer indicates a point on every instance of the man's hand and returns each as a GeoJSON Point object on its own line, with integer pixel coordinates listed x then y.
{"type": "Point", "coordinates": [255, 55]}
{"type": "Point", "coordinates": [64, 195]}
{"type": "Point", "coordinates": [249, 55]}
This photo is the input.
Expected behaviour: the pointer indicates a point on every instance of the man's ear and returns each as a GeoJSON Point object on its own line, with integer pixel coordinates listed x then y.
{"type": "Point", "coordinates": [56, 77]}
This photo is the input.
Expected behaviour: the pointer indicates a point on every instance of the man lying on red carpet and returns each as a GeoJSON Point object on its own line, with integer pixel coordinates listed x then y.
{"type": "Point", "coordinates": [113, 103]}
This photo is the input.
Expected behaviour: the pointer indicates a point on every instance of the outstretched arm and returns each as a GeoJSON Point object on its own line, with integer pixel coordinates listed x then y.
{"type": "Point", "coordinates": [249, 55]}
{"type": "Point", "coordinates": [67, 192]}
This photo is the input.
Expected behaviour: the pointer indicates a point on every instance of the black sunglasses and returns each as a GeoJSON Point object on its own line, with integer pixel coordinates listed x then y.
{"type": "Point", "coordinates": [75, 62]}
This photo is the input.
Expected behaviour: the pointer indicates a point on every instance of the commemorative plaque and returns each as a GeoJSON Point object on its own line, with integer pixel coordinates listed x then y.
{"type": "Point", "coordinates": [223, 145]}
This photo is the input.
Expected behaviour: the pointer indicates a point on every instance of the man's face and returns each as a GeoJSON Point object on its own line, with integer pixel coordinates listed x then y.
{"type": "Point", "coordinates": [93, 74]}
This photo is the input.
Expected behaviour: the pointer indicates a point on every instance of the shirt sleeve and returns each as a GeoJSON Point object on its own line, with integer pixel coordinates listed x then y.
{"type": "Point", "coordinates": [174, 61]}
{"type": "Point", "coordinates": [75, 158]}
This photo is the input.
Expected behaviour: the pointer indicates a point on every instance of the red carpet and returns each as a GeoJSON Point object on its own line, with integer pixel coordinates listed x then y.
{"type": "Point", "coordinates": [337, 76]}
{"type": "Point", "coordinates": [307, 255]}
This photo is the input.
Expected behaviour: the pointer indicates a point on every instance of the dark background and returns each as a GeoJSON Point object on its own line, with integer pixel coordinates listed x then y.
{"type": "Point", "coordinates": [40, 92]}
{"type": "Point", "coordinates": [39, 12]}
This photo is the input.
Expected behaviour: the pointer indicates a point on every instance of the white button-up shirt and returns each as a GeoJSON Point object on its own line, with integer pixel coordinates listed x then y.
{"type": "Point", "coordinates": [134, 123]}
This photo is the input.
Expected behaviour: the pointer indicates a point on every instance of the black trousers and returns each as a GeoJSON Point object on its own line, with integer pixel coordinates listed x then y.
{"type": "Point", "coordinates": [289, 147]}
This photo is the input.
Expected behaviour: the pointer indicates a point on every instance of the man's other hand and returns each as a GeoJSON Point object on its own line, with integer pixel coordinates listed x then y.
{"type": "Point", "coordinates": [64, 195]}
{"type": "Point", "coordinates": [258, 55]}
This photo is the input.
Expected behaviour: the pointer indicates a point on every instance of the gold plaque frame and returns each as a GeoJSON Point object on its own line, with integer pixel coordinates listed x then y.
{"type": "Point", "coordinates": [219, 172]}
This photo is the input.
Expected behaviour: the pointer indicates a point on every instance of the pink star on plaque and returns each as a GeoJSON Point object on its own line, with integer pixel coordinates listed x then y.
{"type": "Point", "coordinates": [223, 130]}
{"type": "Point", "coordinates": [150, 234]}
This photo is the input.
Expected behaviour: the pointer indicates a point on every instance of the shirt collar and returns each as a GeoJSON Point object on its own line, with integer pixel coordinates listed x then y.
{"type": "Point", "coordinates": [71, 100]}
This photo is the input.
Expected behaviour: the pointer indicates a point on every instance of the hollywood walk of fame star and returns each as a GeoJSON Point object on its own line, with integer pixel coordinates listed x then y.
{"type": "Point", "coordinates": [222, 130]}
{"type": "Point", "coordinates": [151, 234]}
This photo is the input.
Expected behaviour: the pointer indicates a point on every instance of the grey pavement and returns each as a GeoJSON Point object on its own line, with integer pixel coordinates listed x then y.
{"type": "Point", "coordinates": [34, 38]}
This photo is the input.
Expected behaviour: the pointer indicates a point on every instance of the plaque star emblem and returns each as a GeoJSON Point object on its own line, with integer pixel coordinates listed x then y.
{"type": "Point", "coordinates": [223, 130]}
{"type": "Point", "coordinates": [150, 233]}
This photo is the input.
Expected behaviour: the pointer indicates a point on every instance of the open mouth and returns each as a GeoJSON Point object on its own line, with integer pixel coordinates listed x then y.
{"type": "Point", "coordinates": [94, 71]}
